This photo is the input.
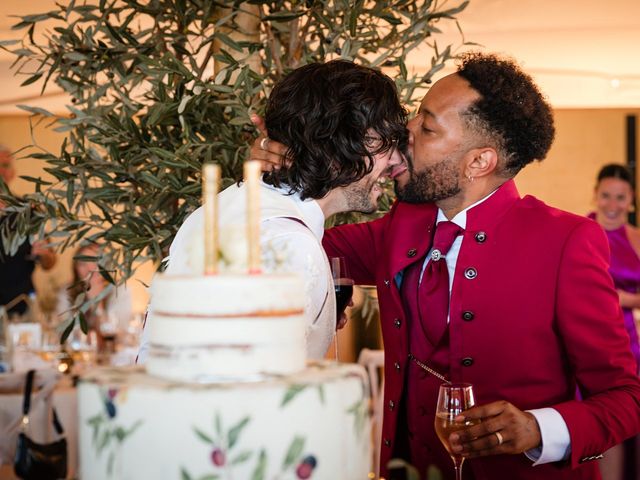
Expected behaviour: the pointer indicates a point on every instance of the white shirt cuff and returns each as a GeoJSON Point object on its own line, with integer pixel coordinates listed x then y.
{"type": "Point", "coordinates": [556, 442]}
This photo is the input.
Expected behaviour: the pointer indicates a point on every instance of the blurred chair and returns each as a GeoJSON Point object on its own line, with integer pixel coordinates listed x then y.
{"type": "Point", "coordinates": [373, 361]}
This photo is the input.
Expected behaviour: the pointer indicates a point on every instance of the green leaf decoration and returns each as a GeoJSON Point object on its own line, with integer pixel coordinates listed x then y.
{"type": "Point", "coordinates": [321, 393]}
{"type": "Point", "coordinates": [291, 393]}
{"type": "Point", "coordinates": [184, 475]}
{"type": "Point", "coordinates": [234, 432]}
{"type": "Point", "coordinates": [218, 425]}
{"type": "Point", "coordinates": [211, 476]}
{"type": "Point", "coordinates": [241, 458]}
{"type": "Point", "coordinates": [294, 452]}
{"type": "Point", "coordinates": [261, 467]}
{"type": "Point", "coordinates": [203, 436]}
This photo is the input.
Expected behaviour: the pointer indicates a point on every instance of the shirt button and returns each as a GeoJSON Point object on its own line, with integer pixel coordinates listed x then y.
{"type": "Point", "coordinates": [397, 366]}
{"type": "Point", "coordinates": [470, 273]}
{"type": "Point", "coordinates": [468, 315]}
{"type": "Point", "coordinates": [392, 405]}
{"type": "Point", "coordinates": [467, 361]}
{"type": "Point", "coordinates": [481, 237]}
{"type": "Point", "coordinates": [397, 322]}
{"type": "Point", "coordinates": [412, 252]}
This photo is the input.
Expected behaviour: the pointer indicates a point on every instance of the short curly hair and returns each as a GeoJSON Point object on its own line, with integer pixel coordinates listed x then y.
{"type": "Point", "coordinates": [511, 112]}
{"type": "Point", "coordinates": [322, 112]}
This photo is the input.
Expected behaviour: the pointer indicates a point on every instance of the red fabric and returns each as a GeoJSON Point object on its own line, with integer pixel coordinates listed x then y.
{"type": "Point", "coordinates": [546, 319]}
{"type": "Point", "coordinates": [433, 292]}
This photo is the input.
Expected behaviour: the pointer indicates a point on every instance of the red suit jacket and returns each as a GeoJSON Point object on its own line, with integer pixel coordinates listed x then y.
{"type": "Point", "coordinates": [545, 319]}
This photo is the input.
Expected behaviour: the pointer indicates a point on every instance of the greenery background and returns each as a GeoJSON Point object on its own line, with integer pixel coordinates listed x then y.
{"type": "Point", "coordinates": [159, 87]}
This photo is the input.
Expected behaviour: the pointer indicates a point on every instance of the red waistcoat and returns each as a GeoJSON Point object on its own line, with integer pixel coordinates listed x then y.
{"type": "Point", "coordinates": [533, 315]}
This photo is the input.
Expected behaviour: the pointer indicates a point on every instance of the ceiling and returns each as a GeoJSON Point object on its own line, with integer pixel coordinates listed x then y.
{"type": "Point", "coordinates": [583, 53]}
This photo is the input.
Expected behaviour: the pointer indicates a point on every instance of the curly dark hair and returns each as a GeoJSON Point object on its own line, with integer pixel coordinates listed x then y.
{"type": "Point", "coordinates": [511, 113]}
{"type": "Point", "coordinates": [615, 170]}
{"type": "Point", "coordinates": [322, 112]}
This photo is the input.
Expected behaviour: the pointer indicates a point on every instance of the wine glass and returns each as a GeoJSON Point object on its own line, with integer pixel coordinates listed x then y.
{"type": "Point", "coordinates": [453, 399]}
{"type": "Point", "coordinates": [343, 287]}
{"type": "Point", "coordinates": [343, 284]}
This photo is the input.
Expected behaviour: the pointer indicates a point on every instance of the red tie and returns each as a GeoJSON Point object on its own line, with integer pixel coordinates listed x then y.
{"type": "Point", "coordinates": [433, 293]}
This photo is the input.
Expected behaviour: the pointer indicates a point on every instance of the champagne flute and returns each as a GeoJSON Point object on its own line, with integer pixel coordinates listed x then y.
{"type": "Point", "coordinates": [343, 287]}
{"type": "Point", "coordinates": [453, 399]}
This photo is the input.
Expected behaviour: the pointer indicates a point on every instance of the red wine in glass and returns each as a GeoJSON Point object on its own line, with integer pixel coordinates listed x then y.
{"type": "Point", "coordinates": [343, 284]}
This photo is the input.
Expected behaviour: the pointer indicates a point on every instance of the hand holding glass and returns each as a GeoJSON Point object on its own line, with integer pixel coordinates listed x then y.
{"type": "Point", "coordinates": [453, 399]}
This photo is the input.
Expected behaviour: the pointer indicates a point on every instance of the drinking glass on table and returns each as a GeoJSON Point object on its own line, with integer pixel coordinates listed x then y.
{"type": "Point", "coordinates": [453, 399]}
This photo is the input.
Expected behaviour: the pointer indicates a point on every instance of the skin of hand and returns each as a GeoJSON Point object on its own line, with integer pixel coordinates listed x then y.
{"type": "Point", "coordinates": [629, 300]}
{"type": "Point", "coordinates": [46, 256]}
{"type": "Point", "coordinates": [273, 156]}
{"type": "Point", "coordinates": [519, 430]}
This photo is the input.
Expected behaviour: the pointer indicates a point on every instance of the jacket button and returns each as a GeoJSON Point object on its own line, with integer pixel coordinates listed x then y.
{"type": "Point", "coordinates": [392, 405]}
{"type": "Point", "coordinates": [412, 252]}
{"type": "Point", "coordinates": [481, 237]}
{"type": "Point", "coordinates": [397, 366]}
{"type": "Point", "coordinates": [467, 315]}
{"type": "Point", "coordinates": [387, 442]}
{"type": "Point", "coordinates": [470, 273]}
{"type": "Point", "coordinates": [422, 411]}
{"type": "Point", "coordinates": [386, 282]}
{"type": "Point", "coordinates": [467, 361]}
{"type": "Point", "coordinates": [397, 322]}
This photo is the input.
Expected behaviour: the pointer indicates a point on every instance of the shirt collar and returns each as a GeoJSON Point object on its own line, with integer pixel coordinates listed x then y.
{"type": "Point", "coordinates": [312, 215]}
{"type": "Point", "coordinates": [460, 218]}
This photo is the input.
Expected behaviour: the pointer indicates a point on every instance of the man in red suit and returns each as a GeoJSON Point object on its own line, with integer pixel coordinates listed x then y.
{"type": "Point", "coordinates": [532, 316]}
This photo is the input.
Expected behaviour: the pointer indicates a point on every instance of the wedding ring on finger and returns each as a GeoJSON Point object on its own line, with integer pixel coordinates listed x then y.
{"type": "Point", "coordinates": [499, 437]}
{"type": "Point", "coordinates": [264, 143]}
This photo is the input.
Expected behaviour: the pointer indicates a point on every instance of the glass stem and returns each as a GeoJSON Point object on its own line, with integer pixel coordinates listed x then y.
{"type": "Point", "coordinates": [457, 465]}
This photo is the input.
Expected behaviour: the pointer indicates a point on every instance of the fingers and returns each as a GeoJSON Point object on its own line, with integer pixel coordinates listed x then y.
{"type": "Point", "coordinates": [496, 428]}
{"type": "Point", "coordinates": [342, 321]}
{"type": "Point", "coordinates": [258, 121]}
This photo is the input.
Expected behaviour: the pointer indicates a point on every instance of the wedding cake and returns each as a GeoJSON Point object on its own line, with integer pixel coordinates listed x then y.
{"type": "Point", "coordinates": [226, 394]}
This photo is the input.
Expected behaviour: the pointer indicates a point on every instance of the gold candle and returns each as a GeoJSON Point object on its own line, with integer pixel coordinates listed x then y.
{"type": "Point", "coordinates": [252, 172]}
{"type": "Point", "coordinates": [210, 185]}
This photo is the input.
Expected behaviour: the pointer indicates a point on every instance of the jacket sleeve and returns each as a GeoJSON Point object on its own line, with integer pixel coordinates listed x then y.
{"type": "Point", "coordinates": [360, 244]}
{"type": "Point", "coordinates": [590, 322]}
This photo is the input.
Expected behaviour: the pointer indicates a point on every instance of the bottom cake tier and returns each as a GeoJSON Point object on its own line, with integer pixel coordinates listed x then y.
{"type": "Point", "coordinates": [312, 424]}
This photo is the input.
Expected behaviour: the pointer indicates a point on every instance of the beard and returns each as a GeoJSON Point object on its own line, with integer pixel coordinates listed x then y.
{"type": "Point", "coordinates": [431, 184]}
{"type": "Point", "coordinates": [358, 196]}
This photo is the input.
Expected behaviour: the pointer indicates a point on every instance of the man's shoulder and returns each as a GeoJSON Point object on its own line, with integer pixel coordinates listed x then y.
{"type": "Point", "coordinates": [535, 213]}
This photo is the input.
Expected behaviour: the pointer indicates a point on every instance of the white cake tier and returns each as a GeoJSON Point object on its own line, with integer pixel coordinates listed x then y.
{"type": "Point", "coordinates": [312, 424]}
{"type": "Point", "coordinates": [207, 328]}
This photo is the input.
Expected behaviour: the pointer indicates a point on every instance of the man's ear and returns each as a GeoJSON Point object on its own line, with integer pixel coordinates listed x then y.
{"type": "Point", "coordinates": [482, 162]}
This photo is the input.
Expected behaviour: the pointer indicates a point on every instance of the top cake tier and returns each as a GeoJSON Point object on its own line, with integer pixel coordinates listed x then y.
{"type": "Point", "coordinates": [208, 328]}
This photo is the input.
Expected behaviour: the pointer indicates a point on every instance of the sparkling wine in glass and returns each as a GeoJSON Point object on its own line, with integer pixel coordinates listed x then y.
{"type": "Point", "coordinates": [453, 399]}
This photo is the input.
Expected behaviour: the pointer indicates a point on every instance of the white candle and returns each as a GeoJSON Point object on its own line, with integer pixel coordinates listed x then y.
{"type": "Point", "coordinates": [252, 173]}
{"type": "Point", "coordinates": [210, 185]}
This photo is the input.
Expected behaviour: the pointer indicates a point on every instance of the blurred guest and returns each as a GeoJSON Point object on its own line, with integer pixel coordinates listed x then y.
{"type": "Point", "coordinates": [111, 310]}
{"type": "Point", "coordinates": [16, 270]}
{"type": "Point", "coordinates": [614, 200]}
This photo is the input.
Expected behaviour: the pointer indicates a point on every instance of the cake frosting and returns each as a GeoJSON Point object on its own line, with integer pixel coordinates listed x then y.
{"type": "Point", "coordinates": [227, 326]}
{"type": "Point", "coordinates": [310, 424]}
